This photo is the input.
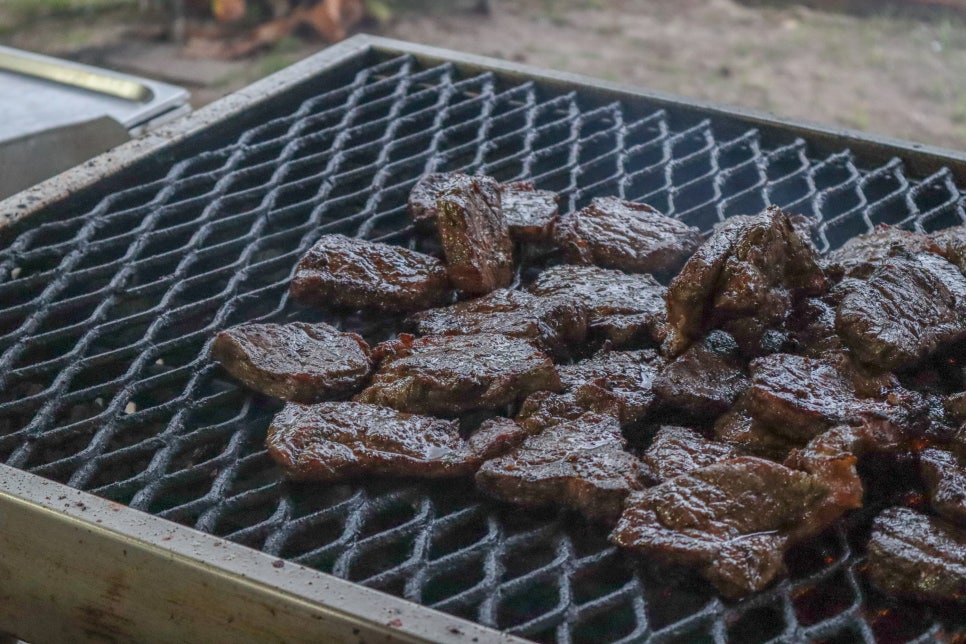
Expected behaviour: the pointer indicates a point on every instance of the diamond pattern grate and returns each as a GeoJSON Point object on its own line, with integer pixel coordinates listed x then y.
{"type": "Point", "coordinates": [107, 313]}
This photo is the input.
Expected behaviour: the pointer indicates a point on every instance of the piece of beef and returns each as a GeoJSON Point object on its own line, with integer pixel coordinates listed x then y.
{"type": "Point", "coordinates": [580, 464]}
{"type": "Point", "coordinates": [746, 279]}
{"type": "Point", "coordinates": [633, 237]}
{"type": "Point", "coordinates": [833, 455]}
{"type": "Point", "coordinates": [450, 374]}
{"type": "Point", "coordinates": [679, 450]}
{"type": "Point", "coordinates": [812, 326]}
{"type": "Point", "coordinates": [622, 376]}
{"type": "Point", "coordinates": [944, 474]}
{"type": "Point", "coordinates": [918, 556]}
{"type": "Point", "coordinates": [951, 244]}
{"type": "Point", "coordinates": [423, 196]}
{"type": "Point", "coordinates": [861, 255]}
{"type": "Point", "coordinates": [331, 441]}
{"type": "Point", "coordinates": [625, 309]}
{"type": "Point", "coordinates": [346, 272]}
{"type": "Point", "coordinates": [529, 213]}
{"type": "Point", "coordinates": [733, 520]}
{"type": "Point", "coordinates": [904, 311]}
{"type": "Point", "coordinates": [801, 397]}
{"type": "Point", "coordinates": [706, 379]}
{"type": "Point", "coordinates": [545, 409]}
{"type": "Point", "coordinates": [552, 323]}
{"type": "Point", "coordinates": [737, 427]}
{"type": "Point", "coordinates": [474, 236]}
{"type": "Point", "coordinates": [298, 361]}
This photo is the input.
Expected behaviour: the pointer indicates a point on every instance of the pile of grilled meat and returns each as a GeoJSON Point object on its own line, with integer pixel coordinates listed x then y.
{"type": "Point", "coordinates": [784, 373]}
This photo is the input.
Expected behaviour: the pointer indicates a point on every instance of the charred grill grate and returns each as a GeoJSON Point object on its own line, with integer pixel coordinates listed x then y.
{"type": "Point", "coordinates": [107, 307]}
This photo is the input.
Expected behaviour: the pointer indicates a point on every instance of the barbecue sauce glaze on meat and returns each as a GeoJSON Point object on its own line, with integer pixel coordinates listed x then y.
{"type": "Point", "coordinates": [781, 362]}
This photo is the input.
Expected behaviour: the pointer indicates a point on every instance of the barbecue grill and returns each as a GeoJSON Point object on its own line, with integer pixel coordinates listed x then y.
{"type": "Point", "coordinates": [137, 500]}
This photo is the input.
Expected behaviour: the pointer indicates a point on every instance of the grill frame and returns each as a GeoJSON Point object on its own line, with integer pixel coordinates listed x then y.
{"type": "Point", "coordinates": [25, 492]}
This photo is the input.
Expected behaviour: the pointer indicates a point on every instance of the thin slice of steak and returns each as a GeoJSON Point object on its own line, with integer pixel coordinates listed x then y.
{"type": "Point", "coordinates": [451, 374]}
{"type": "Point", "coordinates": [297, 361]}
{"type": "Point", "coordinates": [353, 273]}
{"type": "Point", "coordinates": [580, 464]}
{"type": "Point", "coordinates": [918, 556]}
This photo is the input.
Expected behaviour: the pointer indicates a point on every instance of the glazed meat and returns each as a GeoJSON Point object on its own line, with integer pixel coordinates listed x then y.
{"type": "Point", "coordinates": [622, 376]}
{"type": "Point", "coordinates": [732, 520]}
{"type": "Point", "coordinates": [545, 409]}
{"type": "Point", "coordinates": [679, 450]}
{"type": "Point", "coordinates": [633, 237]}
{"type": "Point", "coordinates": [951, 244]}
{"type": "Point", "coordinates": [298, 361]}
{"type": "Point", "coordinates": [354, 273]}
{"type": "Point", "coordinates": [945, 477]}
{"type": "Point", "coordinates": [474, 236]}
{"type": "Point", "coordinates": [529, 213]}
{"type": "Point", "coordinates": [580, 464]}
{"type": "Point", "coordinates": [450, 374]}
{"type": "Point", "coordinates": [906, 309]}
{"type": "Point", "coordinates": [706, 379]}
{"type": "Point", "coordinates": [552, 323]}
{"type": "Point", "coordinates": [918, 556]}
{"type": "Point", "coordinates": [861, 255]}
{"type": "Point", "coordinates": [745, 279]}
{"type": "Point", "coordinates": [737, 427]}
{"type": "Point", "coordinates": [332, 441]}
{"type": "Point", "coordinates": [625, 309]}
{"type": "Point", "coordinates": [813, 331]}
{"type": "Point", "coordinates": [423, 196]}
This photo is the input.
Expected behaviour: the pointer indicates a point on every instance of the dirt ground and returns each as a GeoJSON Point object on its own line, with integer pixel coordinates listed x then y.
{"type": "Point", "coordinates": [890, 73]}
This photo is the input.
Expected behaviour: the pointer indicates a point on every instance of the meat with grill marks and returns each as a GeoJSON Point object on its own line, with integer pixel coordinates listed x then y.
{"type": "Point", "coordinates": [474, 235]}
{"type": "Point", "coordinates": [904, 311]}
{"type": "Point", "coordinates": [746, 279]}
{"type": "Point", "coordinates": [529, 213]}
{"type": "Point", "coordinates": [679, 450]}
{"type": "Point", "coordinates": [633, 237]}
{"type": "Point", "coordinates": [624, 309]}
{"type": "Point", "coordinates": [733, 521]}
{"type": "Point", "coordinates": [580, 464]}
{"type": "Point", "coordinates": [353, 273]}
{"type": "Point", "coordinates": [706, 379]}
{"type": "Point", "coordinates": [861, 255]}
{"type": "Point", "coordinates": [622, 376]}
{"type": "Point", "coordinates": [451, 374]}
{"type": "Point", "coordinates": [298, 361]}
{"type": "Point", "coordinates": [944, 474]}
{"type": "Point", "coordinates": [918, 556]}
{"type": "Point", "coordinates": [552, 323]}
{"type": "Point", "coordinates": [336, 440]}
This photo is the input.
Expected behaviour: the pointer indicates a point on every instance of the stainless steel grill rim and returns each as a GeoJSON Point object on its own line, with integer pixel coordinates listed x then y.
{"type": "Point", "coordinates": [111, 297]}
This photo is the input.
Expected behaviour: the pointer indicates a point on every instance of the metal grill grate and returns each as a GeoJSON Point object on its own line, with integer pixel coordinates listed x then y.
{"type": "Point", "coordinates": [107, 312]}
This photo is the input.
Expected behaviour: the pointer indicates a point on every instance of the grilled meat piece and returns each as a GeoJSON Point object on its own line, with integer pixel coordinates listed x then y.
{"type": "Point", "coordinates": [354, 273]}
{"type": "Point", "coordinates": [737, 427]}
{"type": "Point", "coordinates": [945, 477]}
{"type": "Point", "coordinates": [298, 361]}
{"type": "Point", "coordinates": [633, 237]}
{"type": "Point", "coordinates": [545, 409]}
{"type": "Point", "coordinates": [679, 450]}
{"type": "Point", "coordinates": [918, 556]}
{"type": "Point", "coordinates": [906, 309]}
{"type": "Point", "coordinates": [706, 379]}
{"type": "Point", "coordinates": [474, 236]}
{"type": "Point", "coordinates": [551, 323]}
{"type": "Point", "coordinates": [624, 309]}
{"type": "Point", "coordinates": [332, 441]}
{"type": "Point", "coordinates": [733, 520]}
{"type": "Point", "coordinates": [622, 376]}
{"type": "Point", "coordinates": [529, 213]}
{"type": "Point", "coordinates": [422, 198]}
{"type": "Point", "coordinates": [813, 331]}
{"type": "Point", "coordinates": [745, 279]}
{"type": "Point", "coordinates": [580, 464]}
{"type": "Point", "coordinates": [861, 255]}
{"type": "Point", "coordinates": [951, 244]}
{"type": "Point", "coordinates": [450, 374]}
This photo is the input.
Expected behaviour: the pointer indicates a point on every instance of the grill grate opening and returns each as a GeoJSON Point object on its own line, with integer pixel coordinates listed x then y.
{"type": "Point", "coordinates": [106, 316]}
